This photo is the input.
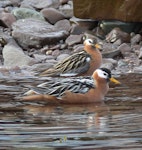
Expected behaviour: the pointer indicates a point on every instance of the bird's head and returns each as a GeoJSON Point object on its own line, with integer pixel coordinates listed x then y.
{"type": "Point", "coordinates": [104, 74]}
{"type": "Point", "coordinates": [93, 43]}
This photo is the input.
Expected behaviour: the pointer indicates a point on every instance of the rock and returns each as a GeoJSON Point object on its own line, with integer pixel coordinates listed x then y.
{"type": "Point", "coordinates": [98, 11]}
{"type": "Point", "coordinates": [14, 56]}
{"type": "Point", "coordinates": [63, 46]}
{"type": "Point", "coordinates": [110, 50]}
{"type": "Point", "coordinates": [44, 49]}
{"type": "Point", "coordinates": [138, 69]}
{"type": "Point", "coordinates": [57, 46]}
{"type": "Point", "coordinates": [49, 57]}
{"type": "Point", "coordinates": [109, 60]}
{"type": "Point", "coordinates": [23, 13]}
{"type": "Point", "coordinates": [88, 24]}
{"type": "Point", "coordinates": [109, 66]}
{"type": "Point", "coordinates": [4, 38]}
{"type": "Point", "coordinates": [53, 61]}
{"type": "Point", "coordinates": [7, 19]}
{"type": "Point", "coordinates": [42, 66]}
{"type": "Point", "coordinates": [5, 3]}
{"type": "Point", "coordinates": [76, 29]}
{"type": "Point", "coordinates": [62, 2]}
{"type": "Point", "coordinates": [122, 63]}
{"type": "Point", "coordinates": [125, 49]}
{"type": "Point", "coordinates": [49, 52]}
{"type": "Point", "coordinates": [40, 4]}
{"type": "Point", "coordinates": [140, 53]}
{"type": "Point", "coordinates": [73, 39]}
{"type": "Point", "coordinates": [16, 3]}
{"type": "Point", "coordinates": [63, 25]}
{"type": "Point", "coordinates": [62, 57]}
{"type": "Point", "coordinates": [109, 63]}
{"type": "Point", "coordinates": [52, 15]}
{"type": "Point", "coordinates": [116, 34]}
{"type": "Point", "coordinates": [39, 57]}
{"type": "Point", "coordinates": [128, 27]}
{"type": "Point", "coordinates": [78, 47]}
{"type": "Point", "coordinates": [36, 33]}
{"type": "Point", "coordinates": [136, 39]}
{"type": "Point", "coordinates": [67, 9]}
{"type": "Point", "coordinates": [56, 53]}
{"type": "Point", "coordinates": [111, 54]}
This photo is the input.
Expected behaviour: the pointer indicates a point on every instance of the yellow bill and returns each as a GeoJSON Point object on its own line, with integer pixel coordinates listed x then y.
{"type": "Point", "coordinates": [98, 46]}
{"type": "Point", "coordinates": [114, 80]}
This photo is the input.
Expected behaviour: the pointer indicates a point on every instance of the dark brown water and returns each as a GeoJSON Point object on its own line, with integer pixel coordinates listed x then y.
{"type": "Point", "coordinates": [116, 124]}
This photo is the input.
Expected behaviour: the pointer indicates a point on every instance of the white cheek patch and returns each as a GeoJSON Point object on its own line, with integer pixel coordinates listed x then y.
{"type": "Point", "coordinates": [88, 41]}
{"type": "Point", "coordinates": [101, 74]}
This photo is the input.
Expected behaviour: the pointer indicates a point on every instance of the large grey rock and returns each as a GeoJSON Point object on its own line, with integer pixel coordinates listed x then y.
{"type": "Point", "coordinates": [63, 25]}
{"type": "Point", "coordinates": [36, 33]}
{"type": "Point", "coordinates": [138, 69]}
{"type": "Point", "coordinates": [38, 68]}
{"type": "Point", "coordinates": [140, 53]}
{"type": "Point", "coordinates": [109, 63]}
{"type": "Point", "coordinates": [14, 56]}
{"type": "Point", "coordinates": [74, 39]}
{"type": "Point", "coordinates": [40, 4]}
{"type": "Point", "coordinates": [110, 50]}
{"type": "Point", "coordinates": [125, 49]}
{"type": "Point", "coordinates": [7, 19]}
{"type": "Point", "coordinates": [67, 9]}
{"type": "Point", "coordinates": [136, 39]}
{"type": "Point", "coordinates": [5, 3]}
{"type": "Point", "coordinates": [52, 15]}
{"type": "Point", "coordinates": [62, 57]}
{"type": "Point", "coordinates": [22, 13]}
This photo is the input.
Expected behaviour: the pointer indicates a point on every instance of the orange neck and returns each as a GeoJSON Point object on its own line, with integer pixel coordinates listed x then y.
{"type": "Point", "coordinates": [95, 53]}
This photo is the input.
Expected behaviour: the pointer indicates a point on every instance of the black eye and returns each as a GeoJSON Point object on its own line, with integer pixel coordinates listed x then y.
{"type": "Point", "coordinates": [90, 41]}
{"type": "Point", "coordinates": [105, 74]}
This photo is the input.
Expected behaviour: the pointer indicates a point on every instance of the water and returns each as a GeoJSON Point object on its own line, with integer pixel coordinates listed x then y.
{"type": "Point", "coordinates": [115, 124]}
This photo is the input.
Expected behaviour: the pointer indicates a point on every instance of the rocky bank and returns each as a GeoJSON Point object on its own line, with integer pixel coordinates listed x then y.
{"type": "Point", "coordinates": [36, 34]}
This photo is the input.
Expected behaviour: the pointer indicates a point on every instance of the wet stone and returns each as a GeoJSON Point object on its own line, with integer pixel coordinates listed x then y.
{"type": "Point", "coordinates": [62, 57]}
{"type": "Point", "coordinates": [62, 2]}
{"type": "Point", "coordinates": [14, 56]}
{"type": "Point", "coordinates": [5, 3]}
{"type": "Point", "coordinates": [108, 65]}
{"type": "Point", "coordinates": [136, 39]}
{"type": "Point", "coordinates": [110, 50]}
{"type": "Point", "coordinates": [23, 13]}
{"type": "Point", "coordinates": [76, 29]}
{"type": "Point", "coordinates": [52, 15]}
{"type": "Point", "coordinates": [67, 9]}
{"type": "Point", "coordinates": [116, 34]}
{"type": "Point", "coordinates": [42, 66]}
{"type": "Point", "coordinates": [140, 53]}
{"type": "Point", "coordinates": [73, 39]}
{"type": "Point", "coordinates": [125, 49]}
{"type": "Point", "coordinates": [63, 25]}
{"type": "Point", "coordinates": [40, 4]}
{"type": "Point", "coordinates": [7, 19]}
{"type": "Point", "coordinates": [56, 53]}
{"type": "Point", "coordinates": [36, 33]}
{"type": "Point", "coordinates": [39, 57]}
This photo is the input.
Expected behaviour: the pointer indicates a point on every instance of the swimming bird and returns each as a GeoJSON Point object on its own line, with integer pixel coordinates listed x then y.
{"type": "Point", "coordinates": [75, 90]}
{"type": "Point", "coordinates": [78, 64]}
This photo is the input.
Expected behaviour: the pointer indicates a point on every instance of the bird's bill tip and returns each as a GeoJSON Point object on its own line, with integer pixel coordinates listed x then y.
{"type": "Point", "coordinates": [114, 80]}
{"type": "Point", "coordinates": [98, 46]}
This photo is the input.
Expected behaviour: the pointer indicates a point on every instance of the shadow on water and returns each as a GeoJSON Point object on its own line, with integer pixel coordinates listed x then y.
{"type": "Point", "coordinates": [115, 124]}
